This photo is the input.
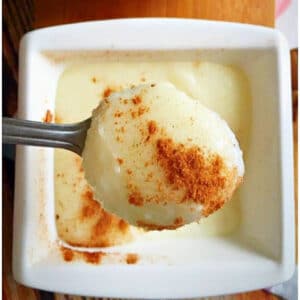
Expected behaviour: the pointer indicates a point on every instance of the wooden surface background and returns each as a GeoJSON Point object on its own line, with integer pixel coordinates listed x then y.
{"type": "Point", "coordinates": [20, 16]}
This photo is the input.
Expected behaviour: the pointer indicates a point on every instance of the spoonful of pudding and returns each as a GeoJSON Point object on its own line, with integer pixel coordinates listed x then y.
{"type": "Point", "coordinates": [153, 156]}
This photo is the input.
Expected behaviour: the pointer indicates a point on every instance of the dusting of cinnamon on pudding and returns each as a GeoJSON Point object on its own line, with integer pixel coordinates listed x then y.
{"type": "Point", "coordinates": [135, 198]}
{"type": "Point", "coordinates": [136, 100]}
{"type": "Point", "coordinates": [152, 127]}
{"type": "Point", "coordinates": [149, 226]}
{"type": "Point", "coordinates": [133, 114]}
{"type": "Point", "coordinates": [120, 161]}
{"type": "Point", "coordinates": [107, 92]}
{"type": "Point", "coordinates": [149, 176]}
{"type": "Point", "coordinates": [118, 139]}
{"type": "Point", "coordinates": [142, 110]}
{"type": "Point", "coordinates": [93, 257]}
{"type": "Point", "coordinates": [178, 221]}
{"type": "Point", "coordinates": [131, 258]}
{"type": "Point", "coordinates": [67, 253]}
{"type": "Point", "coordinates": [48, 117]}
{"type": "Point", "coordinates": [118, 114]}
{"type": "Point", "coordinates": [103, 229]}
{"type": "Point", "coordinates": [123, 225]}
{"type": "Point", "coordinates": [89, 257]}
{"type": "Point", "coordinates": [203, 178]}
{"type": "Point", "coordinates": [91, 207]}
{"type": "Point", "coordinates": [78, 161]}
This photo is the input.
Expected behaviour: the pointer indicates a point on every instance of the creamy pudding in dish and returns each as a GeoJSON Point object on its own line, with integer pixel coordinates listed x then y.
{"type": "Point", "coordinates": [80, 219]}
{"type": "Point", "coordinates": [160, 159]}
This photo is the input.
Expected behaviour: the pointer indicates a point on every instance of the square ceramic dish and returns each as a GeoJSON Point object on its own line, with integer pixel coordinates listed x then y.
{"type": "Point", "coordinates": [258, 254]}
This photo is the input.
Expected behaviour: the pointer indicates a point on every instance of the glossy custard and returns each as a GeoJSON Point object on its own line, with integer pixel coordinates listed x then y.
{"type": "Point", "coordinates": [160, 159]}
{"type": "Point", "coordinates": [80, 219]}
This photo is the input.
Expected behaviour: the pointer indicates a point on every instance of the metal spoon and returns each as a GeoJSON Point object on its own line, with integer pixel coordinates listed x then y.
{"type": "Point", "coordinates": [67, 136]}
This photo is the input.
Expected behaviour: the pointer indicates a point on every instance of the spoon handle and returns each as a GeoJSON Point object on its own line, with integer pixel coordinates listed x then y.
{"type": "Point", "coordinates": [71, 137]}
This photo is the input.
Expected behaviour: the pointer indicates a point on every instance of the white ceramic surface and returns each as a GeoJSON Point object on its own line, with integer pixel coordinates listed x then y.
{"type": "Point", "coordinates": [261, 251]}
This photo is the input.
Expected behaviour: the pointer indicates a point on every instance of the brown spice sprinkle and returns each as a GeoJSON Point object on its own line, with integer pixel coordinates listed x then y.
{"type": "Point", "coordinates": [149, 176]}
{"type": "Point", "coordinates": [105, 229]}
{"type": "Point", "coordinates": [118, 114]}
{"type": "Point", "coordinates": [122, 225]}
{"type": "Point", "coordinates": [78, 161]}
{"type": "Point", "coordinates": [136, 100]}
{"type": "Point", "coordinates": [95, 258]}
{"type": "Point", "coordinates": [135, 198]}
{"type": "Point", "coordinates": [149, 226]}
{"type": "Point", "coordinates": [142, 110]}
{"type": "Point", "coordinates": [152, 127]}
{"type": "Point", "coordinates": [118, 139]}
{"type": "Point", "coordinates": [107, 92]}
{"type": "Point", "coordinates": [202, 178]}
{"type": "Point", "coordinates": [120, 161]}
{"type": "Point", "coordinates": [94, 79]}
{"type": "Point", "coordinates": [89, 257]}
{"type": "Point", "coordinates": [129, 172]}
{"type": "Point", "coordinates": [131, 258]}
{"type": "Point", "coordinates": [92, 258]}
{"type": "Point", "coordinates": [48, 117]}
{"type": "Point", "coordinates": [67, 253]}
{"type": "Point", "coordinates": [91, 207]}
{"type": "Point", "coordinates": [178, 221]}
{"type": "Point", "coordinates": [142, 131]}
{"type": "Point", "coordinates": [102, 226]}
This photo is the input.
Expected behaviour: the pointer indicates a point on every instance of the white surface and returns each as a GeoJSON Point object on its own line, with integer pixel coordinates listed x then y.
{"type": "Point", "coordinates": [287, 290]}
{"type": "Point", "coordinates": [259, 254]}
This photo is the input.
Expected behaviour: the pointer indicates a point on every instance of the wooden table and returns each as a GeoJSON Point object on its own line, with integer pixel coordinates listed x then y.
{"type": "Point", "coordinates": [25, 14]}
